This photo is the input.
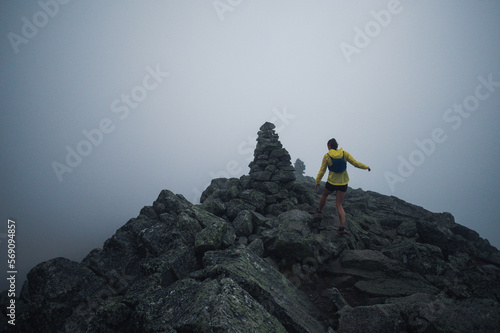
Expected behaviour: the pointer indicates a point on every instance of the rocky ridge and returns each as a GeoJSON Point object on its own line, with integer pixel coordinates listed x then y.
{"type": "Point", "coordinates": [253, 258]}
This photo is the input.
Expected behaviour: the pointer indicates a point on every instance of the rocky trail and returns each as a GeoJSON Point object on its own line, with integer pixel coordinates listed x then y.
{"type": "Point", "coordinates": [252, 257]}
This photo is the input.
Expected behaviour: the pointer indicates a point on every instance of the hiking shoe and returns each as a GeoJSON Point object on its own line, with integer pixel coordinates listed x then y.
{"type": "Point", "coordinates": [319, 213]}
{"type": "Point", "coordinates": [341, 230]}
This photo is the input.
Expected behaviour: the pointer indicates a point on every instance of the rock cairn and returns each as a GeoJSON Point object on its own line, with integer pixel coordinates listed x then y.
{"type": "Point", "coordinates": [269, 188]}
{"type": "Point", "coordinates": [271, 169]}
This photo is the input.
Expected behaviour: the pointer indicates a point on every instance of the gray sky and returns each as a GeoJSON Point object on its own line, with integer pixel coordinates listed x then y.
{"type": "Point", "coordinates": [104, 104]}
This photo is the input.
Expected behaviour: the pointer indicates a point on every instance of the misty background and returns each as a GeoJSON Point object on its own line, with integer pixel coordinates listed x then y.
{"type": "Point", "coordinates": [156, 95]}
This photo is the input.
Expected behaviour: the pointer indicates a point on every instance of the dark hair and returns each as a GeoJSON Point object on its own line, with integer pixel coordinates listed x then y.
{"type": "Point", "coordinates": [333, 144]}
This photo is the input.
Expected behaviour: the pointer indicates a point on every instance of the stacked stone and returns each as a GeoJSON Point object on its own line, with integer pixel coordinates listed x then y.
{"type": "Point", "coordinates": [272, 162]}
{"type": "Point", "coordinates": [269, 188]}
{"type": "Point", "coordinates": [271, 171]}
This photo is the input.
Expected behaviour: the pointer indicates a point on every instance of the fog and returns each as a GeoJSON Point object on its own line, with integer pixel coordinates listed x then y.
{"type": "Point", "coordinates": [104, 104]}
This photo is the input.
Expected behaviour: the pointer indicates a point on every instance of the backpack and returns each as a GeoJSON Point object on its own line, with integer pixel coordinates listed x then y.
{"type": "Point", "coordinates": [338, 164]}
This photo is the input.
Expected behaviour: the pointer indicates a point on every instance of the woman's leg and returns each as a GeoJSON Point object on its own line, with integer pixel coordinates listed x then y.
{"type": "Point", "coordinates": [339, 199]}
{"type": "Point", "coordinates": [322, 201]}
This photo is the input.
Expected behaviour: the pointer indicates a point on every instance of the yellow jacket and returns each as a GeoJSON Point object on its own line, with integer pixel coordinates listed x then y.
{"type": "Point", "coordinates": [333, 177]}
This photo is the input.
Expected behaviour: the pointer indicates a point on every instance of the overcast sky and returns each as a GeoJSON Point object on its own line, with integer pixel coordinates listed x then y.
{"type": "Point", "coordinates": [104, 104]}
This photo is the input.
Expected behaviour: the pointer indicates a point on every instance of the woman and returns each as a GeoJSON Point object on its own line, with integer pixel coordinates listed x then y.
{"type": "Point", "coordinates": [338, 179]}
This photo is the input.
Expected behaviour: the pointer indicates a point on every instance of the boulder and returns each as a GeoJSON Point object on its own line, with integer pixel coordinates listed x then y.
{"type": "Point", "coordinates": [211, 305]}
{"type": "Point", "coordinates": [255, 198]}
{"type": "Point", "coordinates": [257, 247]}
{"type": "Point", "coordinates": [430, 313]}
{"type": "Point", "coordinates": [370, 260]}
{"type": "Point", "coordinates": [53, 290]}
{"type": "Point", "coordinates": [210, 238]}
{"type": "Point", "coordinates": [243, 223]}
{"type": "Point", "coordinates": [377, 318]}
{"type": "Point", "coordinates": [380, 276]}
{"type": "Point", "coordinates": [214, 205]}
{"type": "Point", "coordinates": [421, 258]}
{"type": "Point", "coordinates": [265, 284]}
{"type": "Point", "coordinates": [291, 238]}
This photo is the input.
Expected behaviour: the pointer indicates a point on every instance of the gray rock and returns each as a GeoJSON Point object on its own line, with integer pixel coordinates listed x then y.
{"type": "Point", "coordinates": [291, 238]}
{"type": "Point", "coordinates": [283, 176]}
{"type": "Point", "coordinates": [261, 176]}
{"type": "Point", "coordinates": [229, 236]}
{"type": "Point", "coordinates": [204, 217]}
{"type": "Point", "coordinates": [407, 229]}
{"type": "Point", "coordinates": [260, 220]}
{"type": "Point", "coordinates": [267, 187]}
{"type": "Point", "coordinates": [167, 201]}
{"type": "Point", "coordinates": [235, 206]}
{"type": "Point", "coordinates": [214, 205]}
{"type": "Point", "coordinates": [255, 198]}
{"type": "Point", "coordinates": [210, 238]}
{"type": "Point", "coordinates": [370, 260]}
{"type": "Point", "coordinates": [376, 318]}
{"type": "Point", "coordinates": [267, 126]}
{"type": "Point", "coordinates": [381, 276]}
{"type": "Point", "coordinates": [54, 289]}
{"type": "Point", "coordinates": [338, 299]}
{"type": "Point", "coordinates": [222, 188]}
{"type": "Point", "coordinates": [407, 284]}
{"type": "Point", "coordinates": [257, 247]}
{"type": "Point", "coordinates": [212, 305]}
{"type": "Point", "coordinates": [188, 223]}
{"type": "Point", "coordinates": [429, 313]}
{"type": "Point", "coordinates": [243, 223]}
{"type": "Point", "coordinates": [424, 259]}
{"type": "Point", "coordinates": [291, 307]}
